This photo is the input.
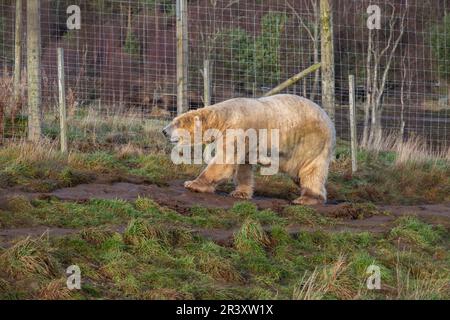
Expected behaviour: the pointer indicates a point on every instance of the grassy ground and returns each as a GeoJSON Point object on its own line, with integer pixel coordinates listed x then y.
{"type": "Point", "coordinates": [139, 249]}
{"type": "Point", "coordinates": [159, 255]}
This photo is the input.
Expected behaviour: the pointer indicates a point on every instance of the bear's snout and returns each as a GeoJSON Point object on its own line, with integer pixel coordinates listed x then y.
{"type": "Point", "coordinates": [166, 131]}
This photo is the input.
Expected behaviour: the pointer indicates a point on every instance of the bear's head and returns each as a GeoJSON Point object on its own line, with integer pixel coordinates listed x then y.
{"type": "Point", "coordinates": [182, 129]}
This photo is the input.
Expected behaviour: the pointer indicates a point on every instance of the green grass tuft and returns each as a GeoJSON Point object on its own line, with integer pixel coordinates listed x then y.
{"type": "Point", "coordinates": [29, 257]}
{"type": "Point", "coordinates": [412, 230]}
{"type": "Point", "coordinates": [251, 238]}
{"type": "Point", "coordinates": [306, 215]}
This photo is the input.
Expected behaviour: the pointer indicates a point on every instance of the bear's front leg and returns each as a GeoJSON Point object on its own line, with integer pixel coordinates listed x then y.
{"type": "Point", "coordinates": [213, 174]}
{"type": "Point", "coordinates": [243, 180]}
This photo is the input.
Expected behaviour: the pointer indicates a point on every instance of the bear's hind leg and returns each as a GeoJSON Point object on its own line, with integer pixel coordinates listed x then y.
{"type": "Point", "coordinates": [312, 184]}
{"type": "Point", "coordinates": [243, 180]}
{"type": "Point", "coordinates": [213, 174]}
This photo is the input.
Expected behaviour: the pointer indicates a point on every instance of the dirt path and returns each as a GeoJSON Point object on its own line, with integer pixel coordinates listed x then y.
{"type": "Point", "coordinates": [176, 197]}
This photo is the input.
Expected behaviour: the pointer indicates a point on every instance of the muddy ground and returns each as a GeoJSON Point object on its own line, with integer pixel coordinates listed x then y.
{"type": "Point", "coordinates": [348, 217]}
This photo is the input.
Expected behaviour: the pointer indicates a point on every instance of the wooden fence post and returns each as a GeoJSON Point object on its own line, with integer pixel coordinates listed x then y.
{"type": "Point", "coordinates": [353, 135]}
{"type": "Point", "coordinates": [182, 56]}
{"type": "Point", "coordinates": [62, 101]}
{"type": "Point", "coordinates": [34, 70]}
{"type": "Point", "coordinates": [18, 51]}
{"type": "Point", "coordinates": [327, 54]}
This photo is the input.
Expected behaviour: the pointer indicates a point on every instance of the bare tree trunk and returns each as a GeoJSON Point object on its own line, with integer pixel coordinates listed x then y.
{"type": "Point", "coordinates": [316, 54]}
{"type": "Point", "coordinates": [376, 85]}
{"type": "Point", "coordinates": [368, 104]}
{"type": "Point", "coordinates": [206, 83]}
{"type": "Point", "coordinates": [34, 69]}
{"type": "Point", "coordinates": [403, 99]}
{"type": "Point", "coordinates": [327, 53]}
{"type": "Point", "coordinates": [312, 96]}
{"type": "Point", "coordinates": [157, 40]}
{"type": "Point", "coordinates": [17, 54]}
{"type": "Point", "coordinates": [373, 105]}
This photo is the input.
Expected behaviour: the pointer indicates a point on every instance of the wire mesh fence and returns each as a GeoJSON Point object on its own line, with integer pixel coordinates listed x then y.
{"type": "Point", "coordinates": [123, 58]}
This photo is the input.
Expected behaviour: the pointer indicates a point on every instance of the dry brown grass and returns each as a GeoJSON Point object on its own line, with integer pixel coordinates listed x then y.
{"type": "Point", "coordinates": [328, 280]}
{"type": "Point", "coordinates": [128, 150]}
{"type": "Point", "coordinates": [26, 152]}
{"type": "Point", "coordinates": [29, 257]}
{"type": "Point", "coordinates": [335, 281]}
{"type": "Point", "coordinates": [116, 119]}
{"type": "Point", "coordinates": [123, 131]}
{"type": "Point", "coordinates": [421, 284]}
{"type": "Point", "coordinates": [415, 149]}
{"type": "Point", "coordinates": [55, 290]}
{"type": "Point", "coordinates": [6, 92]}
{"type": "Point", "coordinates": [10, 106]}
{"type": "Point", "coordinates": [310, 288]}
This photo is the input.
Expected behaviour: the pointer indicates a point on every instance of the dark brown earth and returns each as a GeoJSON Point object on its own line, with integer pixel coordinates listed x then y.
{"type": "Point", "coordinates": [174, 196]}
{"type": "Point", "coordinates": [348, 217]}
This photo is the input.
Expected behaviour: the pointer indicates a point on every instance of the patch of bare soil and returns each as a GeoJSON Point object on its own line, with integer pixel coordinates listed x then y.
{"type": "Point", "coordinates": [8, 235]}
{"type": "Point", "coordinates": [348, 217]}
{"type": "Point", "coordinates": [173, 196]}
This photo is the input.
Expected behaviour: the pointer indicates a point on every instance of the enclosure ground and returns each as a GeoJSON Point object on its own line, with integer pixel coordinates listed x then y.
{"type": "Point", "coordinates": [346, 217]}
{"type": "Point", "coordinates": [115, 206]}
{"type": "Point", "coordinates": [149, 241]}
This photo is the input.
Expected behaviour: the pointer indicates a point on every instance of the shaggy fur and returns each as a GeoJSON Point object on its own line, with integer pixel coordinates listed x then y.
{"type": "Point", "coordinates": [306, 142]}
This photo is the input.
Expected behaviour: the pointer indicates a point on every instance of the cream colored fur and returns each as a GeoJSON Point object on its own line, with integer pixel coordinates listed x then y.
{"type": "Point", "coordinates": [306, 142]}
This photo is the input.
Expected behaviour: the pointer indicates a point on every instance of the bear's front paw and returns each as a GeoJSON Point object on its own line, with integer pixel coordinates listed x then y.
{"type": "Point", "coordinates": [308, 201]}
{"type": "Point", "coordinates": [264, 161]}
{"type": "Point", "coordinates": [196, 186]}
{"type": "Point", "coordinates": [241, 194]}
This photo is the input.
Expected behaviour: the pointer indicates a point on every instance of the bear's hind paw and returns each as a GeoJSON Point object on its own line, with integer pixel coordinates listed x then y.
{"type": "Point", "coordinates": [308, 201]}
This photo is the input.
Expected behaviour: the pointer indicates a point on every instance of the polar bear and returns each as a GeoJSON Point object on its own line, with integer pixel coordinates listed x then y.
{"type": "Point", "coordinates": [306, 142]}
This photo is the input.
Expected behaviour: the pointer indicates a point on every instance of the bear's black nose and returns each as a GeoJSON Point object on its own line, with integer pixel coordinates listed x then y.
{"type": "Point", "coordinates": [164, 132]}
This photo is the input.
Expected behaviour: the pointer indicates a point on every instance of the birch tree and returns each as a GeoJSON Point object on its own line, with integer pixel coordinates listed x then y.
{"type": "Point", "coordinates": [377, 74]}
